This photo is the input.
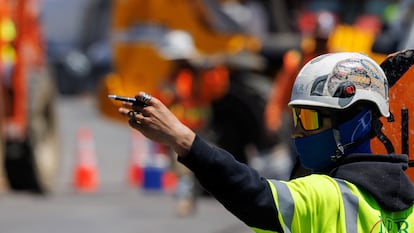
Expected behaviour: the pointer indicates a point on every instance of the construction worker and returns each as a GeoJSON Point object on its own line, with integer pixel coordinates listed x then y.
{"type": "Point", "coordinates": [337, 100]}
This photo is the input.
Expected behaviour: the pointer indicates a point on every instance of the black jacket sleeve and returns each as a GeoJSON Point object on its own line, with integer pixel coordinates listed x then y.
{"type": "Point", "coordinates": [238, 187]}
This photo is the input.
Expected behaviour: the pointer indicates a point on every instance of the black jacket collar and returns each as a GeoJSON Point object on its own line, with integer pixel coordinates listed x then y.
{"type": "Point", "coordinates": [380, 175]}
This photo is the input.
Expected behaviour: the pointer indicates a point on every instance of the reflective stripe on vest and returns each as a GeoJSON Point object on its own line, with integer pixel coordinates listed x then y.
{"type": "Point", "coordinates": [351, 206]}
{"type": "Point", "coordinates": [287, 205]}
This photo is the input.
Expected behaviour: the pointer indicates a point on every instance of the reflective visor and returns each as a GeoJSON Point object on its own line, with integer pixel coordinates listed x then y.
{"type": "Point", "coordinates": [309, 119]}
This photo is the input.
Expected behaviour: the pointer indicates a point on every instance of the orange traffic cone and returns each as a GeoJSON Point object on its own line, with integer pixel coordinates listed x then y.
{"type": "Point", "coordinates": [139, 150]}
{"type": "Point", "coordinates": [85, 173]}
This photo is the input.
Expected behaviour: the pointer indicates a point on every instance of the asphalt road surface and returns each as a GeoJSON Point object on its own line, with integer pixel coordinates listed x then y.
{"type": "Point", "coordinates": [115, 207]}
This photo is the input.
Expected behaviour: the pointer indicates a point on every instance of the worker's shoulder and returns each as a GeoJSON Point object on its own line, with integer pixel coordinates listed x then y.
{"type": "Point", "coordinates": [314, 183]}
{"type": "Point", "coordinates": [311, 192]}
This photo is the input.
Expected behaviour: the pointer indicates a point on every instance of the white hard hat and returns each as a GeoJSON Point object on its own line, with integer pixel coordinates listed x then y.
{"type": "Point", "coordinates": [178, 44]}
{"type": "Point", "coordinates": [338, 80]}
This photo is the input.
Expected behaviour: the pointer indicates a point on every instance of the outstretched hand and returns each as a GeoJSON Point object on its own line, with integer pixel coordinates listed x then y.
{"type": "Point", "coordinates": [156, 122]}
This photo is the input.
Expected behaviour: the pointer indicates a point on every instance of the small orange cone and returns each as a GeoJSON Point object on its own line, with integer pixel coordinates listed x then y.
{"type": "Point", "coordinates": [139, 150]}
{"type": "Point", "coordinates": [85, 173]}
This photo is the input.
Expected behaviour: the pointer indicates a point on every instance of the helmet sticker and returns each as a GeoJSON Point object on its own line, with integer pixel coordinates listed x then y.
{"type": "Point", "coordinates": [361, 72]}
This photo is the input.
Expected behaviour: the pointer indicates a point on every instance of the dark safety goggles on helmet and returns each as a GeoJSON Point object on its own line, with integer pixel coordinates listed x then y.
{"type": "Point", "coordinates": [309, 119]}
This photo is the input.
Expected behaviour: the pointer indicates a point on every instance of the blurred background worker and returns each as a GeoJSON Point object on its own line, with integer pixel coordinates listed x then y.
{"type": "Point", "coordinates": [60, 59]}
{"type": "Point", "coordinates": [337, 102]}
{"type": "Point", "coordinates": [230, 73]}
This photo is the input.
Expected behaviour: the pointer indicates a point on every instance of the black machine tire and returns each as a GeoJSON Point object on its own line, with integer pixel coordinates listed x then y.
{"type": "Point", "coordinates": [31, 165]}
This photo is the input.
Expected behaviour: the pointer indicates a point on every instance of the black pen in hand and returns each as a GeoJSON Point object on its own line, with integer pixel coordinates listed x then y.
{"type": "Point", "coordinates": [132, 100]}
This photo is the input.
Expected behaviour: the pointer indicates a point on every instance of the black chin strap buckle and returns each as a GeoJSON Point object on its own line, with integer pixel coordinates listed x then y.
{"type": "Point", "coordinates": [339, 152]}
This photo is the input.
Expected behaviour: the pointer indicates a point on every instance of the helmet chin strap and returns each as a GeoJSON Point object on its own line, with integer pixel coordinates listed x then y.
{"type": "Point", "coordinates": [377, 124]}
{"type": "Point", "coordinates": [340, 150]}
{"type": "Point", "coordinates": [375, 131]}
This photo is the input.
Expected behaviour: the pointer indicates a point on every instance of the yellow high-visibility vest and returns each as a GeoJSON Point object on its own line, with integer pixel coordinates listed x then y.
{"type": "Point", "coordinates": [319, 203]}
